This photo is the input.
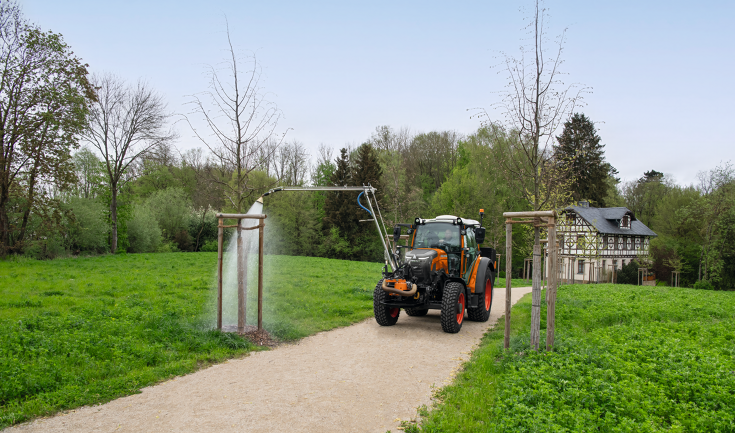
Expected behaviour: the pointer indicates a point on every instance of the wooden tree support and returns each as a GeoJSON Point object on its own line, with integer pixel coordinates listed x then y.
{"type": "Point", "coordinates": [241, 268]}
{"type": "Point", "coordinates": [538, 219]}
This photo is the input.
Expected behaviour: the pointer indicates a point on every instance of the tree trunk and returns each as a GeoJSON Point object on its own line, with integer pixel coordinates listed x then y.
{"type": "Point", "coordinates": [113, 218]}
{"type": "Point", "coordinates": [27, 211]}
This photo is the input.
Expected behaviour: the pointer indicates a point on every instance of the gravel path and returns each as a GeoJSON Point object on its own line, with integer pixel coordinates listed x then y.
{"type": "Point", "coordinates": [362, 378]}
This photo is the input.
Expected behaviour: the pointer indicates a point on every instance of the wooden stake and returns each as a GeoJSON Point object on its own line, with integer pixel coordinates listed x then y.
{"type": "Point", "coordinates": [536, 298]}
{"type": "Point", "coordinates": [261, 226]}
{"type": "Point", "coordinates": [220, 239]}
{"type": "Point", "coordinates": [552, 284]}
{"type": "Point", "coordinates": [240, 281]}
{"type": "Point", "coordinates": [508, 277]}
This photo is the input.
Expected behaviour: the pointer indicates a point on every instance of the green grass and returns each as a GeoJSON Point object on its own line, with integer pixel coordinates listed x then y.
{"type": "Point", "coordinates": [82, 331]}
{"type": "Point", "coordinates": [627, 359]}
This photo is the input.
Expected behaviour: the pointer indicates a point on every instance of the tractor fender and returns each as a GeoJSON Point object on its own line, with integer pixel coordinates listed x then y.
{"type": "Point", "coordinates": [479, 274]}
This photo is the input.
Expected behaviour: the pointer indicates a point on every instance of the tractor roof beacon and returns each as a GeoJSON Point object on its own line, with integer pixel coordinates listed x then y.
{"type": "Point", "coordinates": [443, 268]}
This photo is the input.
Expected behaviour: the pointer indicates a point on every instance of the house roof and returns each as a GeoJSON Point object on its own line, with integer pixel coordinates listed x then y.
{"type": "Point", "coordinates": [606, 220]}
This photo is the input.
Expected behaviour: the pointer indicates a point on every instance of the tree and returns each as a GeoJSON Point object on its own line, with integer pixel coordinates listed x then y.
{"type": "Point", "coordinates": [340, 205]}
{"type": "Point", "coordinates": [643, 195]}
{"type": "Point", "coordinates": [241, 122]}
{"type": "Point", "coordinates": [44, 95]}
{"type": "Point", "coordinates": [579, 147]}
{"type": "Point", "coordinates": [125, 123]}
{"type": "Point", "coordinates": [534, 105]}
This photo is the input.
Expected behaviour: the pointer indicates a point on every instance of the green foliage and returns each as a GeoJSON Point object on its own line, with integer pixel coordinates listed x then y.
{"type": "Point", "coordinates": [627, 359]}
{"type": "Point", "coordinates": [628, 274]}
{"type": "Point", "coordinates": [703, 285]}
{"type": "Point", "coordinates": [144, 234]}
{"type": "Point", "coordinates": [88, 232]}
{"type": "Point", "coordinates": [579, 148]}
{"type": "Point", "coordinates": [171, 208]}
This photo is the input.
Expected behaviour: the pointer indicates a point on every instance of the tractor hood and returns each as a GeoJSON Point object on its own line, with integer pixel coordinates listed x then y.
{"type": "Point", "coordinates": [425, 260]}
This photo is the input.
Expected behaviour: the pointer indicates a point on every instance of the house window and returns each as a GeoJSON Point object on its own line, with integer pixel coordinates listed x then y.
{"type": "Point", "coordinates": [637, 243]}
{"type": "Point", "coordinates": [610, 242]}
{"type": "Point", "coordinates": [604, 262]}
{"type": "Point", "coordinates": [570, 217]}
{"type": "Point", "coordinates": [626, 222]}
{"type": "Point", "coordinates": [580, 242]}
{"type": "Point", "coordinates": [630, 244]}
{"type": "Point", "coordinates": [615, 264]}
{"type": "Point", "coordinates": [580, 266]}
{"type": "Point", "coordinates": [620, 243]}
{"type": "Point", "coordinates": [561, 241]}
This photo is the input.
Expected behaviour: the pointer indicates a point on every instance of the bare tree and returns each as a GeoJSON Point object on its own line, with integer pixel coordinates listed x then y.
{"type": "Point", "coordinates": [126, 122]}
{"type": "Point", "coordinates": [241, 124]}
{"type": "Point", "coordinates": [290, 164]}
{"type": "Point", "coordinates": [535, 103]}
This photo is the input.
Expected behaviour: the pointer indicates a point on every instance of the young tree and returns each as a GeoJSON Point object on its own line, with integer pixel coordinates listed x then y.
{"type": "Point", "coordinates": [241, 124]}
{"type": "Point", "coordinates": [44, 95]}
{"type": "Point", "coordinates": [579, 147]}
{"type": "Point", "coordinates": [125, 123]}
{"type": "Point", "coordinates": [534, 105]}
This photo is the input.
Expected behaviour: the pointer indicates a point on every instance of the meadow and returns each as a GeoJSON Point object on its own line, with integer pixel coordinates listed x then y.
{"type": "Point", "coordinates": [82, 331]}
{"type": "Point", "coordinates": [627, 359]}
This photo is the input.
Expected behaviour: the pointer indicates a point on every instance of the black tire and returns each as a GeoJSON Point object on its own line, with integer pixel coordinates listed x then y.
{"type": "Point", "coordinates": [451, 319]}
{"type": "Point", "coordinates": [384, 315]}
{"type": "Point", "coordinates": [482, 312]}
{"type": "Point", "coordinates": [416, 312]}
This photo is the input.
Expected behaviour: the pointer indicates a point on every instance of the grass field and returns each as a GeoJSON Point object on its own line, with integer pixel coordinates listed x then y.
{"type": "Point", "coordinates": [81, 331]}
{"type": "Point", "coordinates": [627, 359]}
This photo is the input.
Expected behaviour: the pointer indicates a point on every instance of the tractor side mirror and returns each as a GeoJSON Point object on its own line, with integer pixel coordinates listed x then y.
{"type": "Point", "coordinates": [396, 234]}
{"type": "Point", "coordinates": [480, 235]}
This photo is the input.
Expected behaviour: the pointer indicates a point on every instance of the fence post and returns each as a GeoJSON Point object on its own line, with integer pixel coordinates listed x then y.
{"type": "Point", "coordinates": [240, 280]}
{"type": "Point", "coordinates": [220, 239]}
{"type": "Point", "coordinates": [508, 277]}
{"type": "Point", "coordinates": [552, 284]}
{"type": "Point", "coordinates": [260, 274]}
{"type": "Point", "coordinates": [536, 298]}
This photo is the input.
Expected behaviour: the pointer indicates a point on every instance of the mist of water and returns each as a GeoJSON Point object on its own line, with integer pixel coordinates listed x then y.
{"type": "Point", "coordinates": [229, 271]}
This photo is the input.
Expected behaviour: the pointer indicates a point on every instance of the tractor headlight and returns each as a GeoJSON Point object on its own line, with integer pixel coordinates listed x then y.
{"type": "Point", "coordinates": [459, 221]}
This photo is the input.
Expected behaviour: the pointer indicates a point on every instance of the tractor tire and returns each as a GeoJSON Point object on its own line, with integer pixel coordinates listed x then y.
{"type": "Point", "coordinates": [482, 312]}
{"type": "Point", "coordinates": [453, 307]}
{"type": "Point", "coordinates": [416, 312]}
{"type": "Point", "coordinates": [384, 315]}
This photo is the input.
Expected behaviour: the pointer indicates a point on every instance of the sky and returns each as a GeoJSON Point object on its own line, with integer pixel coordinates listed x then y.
{"type": "Point", "coordinates": [660, 73]}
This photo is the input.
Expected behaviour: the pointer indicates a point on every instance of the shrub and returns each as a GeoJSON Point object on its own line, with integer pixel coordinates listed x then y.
{"type": "Point", "coordinates": [704, 285]}
{"type": "Point", "coordinates": [144, 235]}
{"type": "Point", "coordinates": [171, 208]}
{"type": "Point", "coordinates": [88, 231]}
{"type": "Point", "coordinates": [629, 273]}
{"type": "Point", "coordinates": [209, 246]}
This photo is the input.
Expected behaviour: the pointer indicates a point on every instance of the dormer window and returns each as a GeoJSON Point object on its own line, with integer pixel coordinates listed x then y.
{"type": "Point", "coordinates": [625, 222]}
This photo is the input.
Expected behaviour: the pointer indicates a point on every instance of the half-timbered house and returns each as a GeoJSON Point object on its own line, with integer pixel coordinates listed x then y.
{"type": "Point", "coordinates": [595, 241]}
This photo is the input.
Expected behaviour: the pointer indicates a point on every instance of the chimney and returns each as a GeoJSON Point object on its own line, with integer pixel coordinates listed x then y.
{"type": "Point", "coordinates": [584, 203]}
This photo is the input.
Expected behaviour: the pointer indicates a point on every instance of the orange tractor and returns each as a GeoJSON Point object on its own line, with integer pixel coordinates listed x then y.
{"type": "Point", "coordinates": [443, 268]}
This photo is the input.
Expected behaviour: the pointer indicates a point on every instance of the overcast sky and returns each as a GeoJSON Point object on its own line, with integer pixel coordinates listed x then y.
{"type": "Point", "coordinates": [661, 72]}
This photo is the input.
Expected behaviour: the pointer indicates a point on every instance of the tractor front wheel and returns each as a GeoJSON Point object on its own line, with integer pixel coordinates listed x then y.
{"type": "Point", "coordinates": [384, 315]}
{"type": "Point", "coordinates": [482, 312]}
{"type": "Point", "coordinates": [453, 306]}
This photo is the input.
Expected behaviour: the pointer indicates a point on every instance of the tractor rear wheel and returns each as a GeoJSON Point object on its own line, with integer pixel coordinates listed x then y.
{"type": "Point", "coordinates": [384, 315]}
{"type": "Point", "coordinates": [453, 306]}
{"type": "Point", "coordinates": [416, 312]}
{"type": "Point", "coordinates": [482, 312]}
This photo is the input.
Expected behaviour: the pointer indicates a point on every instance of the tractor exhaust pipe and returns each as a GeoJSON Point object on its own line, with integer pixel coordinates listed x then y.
{"type": "Point", "coordinates": [400, 292]}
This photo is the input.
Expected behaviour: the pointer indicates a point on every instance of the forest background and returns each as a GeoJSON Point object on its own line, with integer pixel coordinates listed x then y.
{"type": "Point", "coordinates": [90, 166]}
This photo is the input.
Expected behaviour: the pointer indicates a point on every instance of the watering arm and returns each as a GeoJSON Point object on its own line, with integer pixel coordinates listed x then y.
{"type": "Point", "coordinates": [365, 189]}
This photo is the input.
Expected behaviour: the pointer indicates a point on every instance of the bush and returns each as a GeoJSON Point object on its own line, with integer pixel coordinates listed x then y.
{"type": "Point", "coordinates": [209, 246]}
{"type": "Point", "coordinates": [144, 235]}
{"type": "Point", "coordinates": [704, 285]}
{"type": "Point", "coordinates": [88, 231]}
{"type": "Point", "coordinates": [168, 247]}
{"type": "Point", "coordinates": [629, 273]}
{"type": "Point", "coordinates": [171, 208]}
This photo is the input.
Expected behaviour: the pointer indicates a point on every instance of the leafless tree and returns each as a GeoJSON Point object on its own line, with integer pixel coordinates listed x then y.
{"type": "Point", "coordinates": [290, 164]}
{"type": "Point", "coordinates": [126, 122]}
{"type": "Point", "coordinates": [535, 104]}
{"type": "Point", "coordinates": [241, 124]}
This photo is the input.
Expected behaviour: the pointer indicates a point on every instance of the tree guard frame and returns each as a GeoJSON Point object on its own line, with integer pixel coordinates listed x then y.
{"type": "Point", "coordinates": [546, 219]}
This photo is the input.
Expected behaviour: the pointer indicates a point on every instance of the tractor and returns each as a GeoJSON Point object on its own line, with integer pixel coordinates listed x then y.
{"type": "Point", "coordinates": [443, 268]}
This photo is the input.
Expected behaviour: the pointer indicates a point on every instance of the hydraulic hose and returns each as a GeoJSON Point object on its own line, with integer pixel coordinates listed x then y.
{"type": "Point", "coordinates": [400, 292]}
{"type": "Point", "coordinates": [360, 204]}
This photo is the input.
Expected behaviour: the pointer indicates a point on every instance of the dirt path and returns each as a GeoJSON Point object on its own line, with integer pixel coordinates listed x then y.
{"type": "Point", "coordinates": [362, 378]}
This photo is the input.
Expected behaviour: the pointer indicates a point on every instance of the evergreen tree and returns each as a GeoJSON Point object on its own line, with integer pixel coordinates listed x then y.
{"type": "Point", "coordinates": [367, 171]}
{"type": "Point", "coordinates": [579, 146]}
{"type": "Point", "coordinates": [340, 206]}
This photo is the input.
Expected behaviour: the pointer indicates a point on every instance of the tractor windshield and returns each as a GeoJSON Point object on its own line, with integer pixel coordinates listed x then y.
{"type": "Point", "coordinates": [438, 235]}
